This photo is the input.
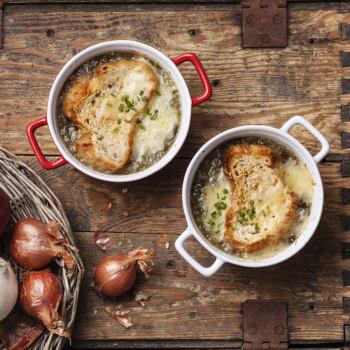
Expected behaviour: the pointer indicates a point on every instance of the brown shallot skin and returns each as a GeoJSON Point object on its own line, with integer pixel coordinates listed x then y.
{"type": "Point", "coordinates": [114, 275]}
{"type": "Point", "coordinates": [33, 248]}
{"type": "Point", "coordinates": [40, 296]}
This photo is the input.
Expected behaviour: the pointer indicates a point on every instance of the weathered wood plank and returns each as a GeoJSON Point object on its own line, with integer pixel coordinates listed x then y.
{"type": "Point", "coordinates": [156, 199]}
{"type": "Point", "coordinates": [186, 305]}
{"type": "Point", "coordinates": [251, 87]}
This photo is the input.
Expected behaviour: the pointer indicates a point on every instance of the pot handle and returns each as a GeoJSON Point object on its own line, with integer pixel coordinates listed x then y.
{"type": "Point", "coordinates": [205, 271]}
{"type": "Point", "coordinates": [201, 72]}
{"type": "Point", "coordinates": [31, 137]}
{"type": "Point", "coordinates": [307, 125]}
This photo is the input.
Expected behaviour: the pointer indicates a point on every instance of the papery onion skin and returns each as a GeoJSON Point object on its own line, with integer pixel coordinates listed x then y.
{"type": "Point", "coordinates": [33, 248]}
{"type": "Point", "coordinates": [5, 213]}
{"type": "Point", "coordinates": [115, 275]}
{"type": "Point", "coordinates": [8, 288]}
{"type": "Point", "coordinates": [20, 332]}
{"type": "Point", "coordinates": [40, 296]}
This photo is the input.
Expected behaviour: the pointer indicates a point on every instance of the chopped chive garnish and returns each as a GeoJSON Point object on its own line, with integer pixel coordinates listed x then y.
{"type": "Point", "coordinates": [210, 222]}
{"type": "Point", "coordinates": [232, 228]}
{"type": "Point", "coordinates": [260, 200]}
{"type": "Point", "coordinates": [112, 95]}
{"type": "Point", "coordinates": [134, 109]}
{"type": "Point", "coordinates": [108, 104]}
{"type": "Point", "coordinates": [128, 121]}
{"type": "Point", "coordinates": [218, 195]}
{"type": "Point", "coordinates": [219, 212]}
{"type": "Point", "coordinates": [156, 111]}
{"type": "Point", "coordinates": [217, 231]}
{"type": "Point", "coordinates": [127, 111]}
{"type": "Point", "coordinates": [115, 129]}
{"type": "Point", "coordinates": [121, 107]}
{"type": "Point", "coordinates": [158, 93]}
{"type": "Point", "coordinates": [213, 215]}
{"type": "Point", "coordinates": [148, 113]}
{"type": "Point", "coordinates": [196, 213]}
{"type": "Point", "coordinates": [122, 98]}
{"type": "Point", "coordinates": [141, 93]}
{"type": "Point", "coordinates": [144, 98]}
{"type": "Point", "coordinates": [244, 224]}
{"type": "Point", "coordinates": [220, 223]}
{"type": "Point", "coordinates": [119, 121]}
{"type": "Point", "coordinates": [138, 98]}
{"type": "Point", "coordinates": [126, 97]}
{"type": "Point", "coordinates": [224, 197]}
{"type": "Point", "coordinates": [264, 213]}
{"type": "Point", "coordinates": [154, 116]}
{"type": "Point", "coordinates": [241, 214]}
{"type": "Point", "coordinates": [138, 120]}
{"type": "Point", "coordinates": [267, 207]}
{"type": "Point", "coordinates": [225, 191]}
{"type": "Point", "coordinates": [251, 202]}
{"type": "Point", "coordinates": [142, 127]}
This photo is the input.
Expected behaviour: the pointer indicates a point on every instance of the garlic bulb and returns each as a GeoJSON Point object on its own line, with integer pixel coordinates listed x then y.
{"type": "Point", "coordinates": [8, 288]}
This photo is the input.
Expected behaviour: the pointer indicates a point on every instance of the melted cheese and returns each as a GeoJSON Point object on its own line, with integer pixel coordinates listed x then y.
{"type": "Point", "coordinates": [161, 132]}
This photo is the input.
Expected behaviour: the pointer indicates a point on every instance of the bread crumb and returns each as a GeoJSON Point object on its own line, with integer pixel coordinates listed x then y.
{"type": "Point", "coordinates": [124, 190]}
{"type": "Point", "coordinates": [125, 213]}
{"type": "Point", "coordinates": [117, 238]}
{"type": "Point", "coordinates": [109, 206]}
{"type": "Point", "coordinates": [161, 240]}
{"type": "Point", "coordinates": [95, 312]}
{"type": "Point", "coordinates": [167, 245]}
{"type": "Point", "coordinates": [165, 236]}
{"type": "Point", "coordinates": [130, 245]}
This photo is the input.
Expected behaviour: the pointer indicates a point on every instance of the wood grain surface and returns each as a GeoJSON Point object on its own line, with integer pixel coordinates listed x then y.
{"type": "Point", "coordinates": [265, 86]}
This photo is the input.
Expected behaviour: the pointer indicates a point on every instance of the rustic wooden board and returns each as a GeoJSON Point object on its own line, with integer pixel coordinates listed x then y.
{"type": "Point", "coordinates": [249, 87]}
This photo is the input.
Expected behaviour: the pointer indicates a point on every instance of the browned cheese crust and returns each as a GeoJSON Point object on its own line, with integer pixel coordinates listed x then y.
{"type": "Point", "coordinates": [256, 173]}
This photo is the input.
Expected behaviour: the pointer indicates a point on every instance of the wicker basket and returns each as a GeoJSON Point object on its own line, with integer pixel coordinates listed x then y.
{"type": "Point", "coordinates": [31, 197]}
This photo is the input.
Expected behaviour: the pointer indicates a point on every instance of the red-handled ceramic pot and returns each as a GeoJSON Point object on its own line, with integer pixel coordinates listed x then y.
{"type": "Point", "coordinates": [114, 46]}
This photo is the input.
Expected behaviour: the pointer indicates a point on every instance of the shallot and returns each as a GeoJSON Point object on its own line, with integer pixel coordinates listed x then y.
{"type": "Point", "coordinates": [8, 288]}
{"type": "Point", "coordinates": [40, 296]}
{"type": "Point", "coordinates": [5, 212]}
{"type": "Point", "coordinates": [34, 245]}
{"type": "Point", "coordinates": [20, 332]}
{"type": "Point", "coordinates": [114, 275]}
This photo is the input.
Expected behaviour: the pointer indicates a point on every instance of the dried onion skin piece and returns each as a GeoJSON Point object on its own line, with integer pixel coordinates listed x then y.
{"type": "Point", "coordinates": [20, 332]}
{"type": "Point", "coordinates": [40, 296]}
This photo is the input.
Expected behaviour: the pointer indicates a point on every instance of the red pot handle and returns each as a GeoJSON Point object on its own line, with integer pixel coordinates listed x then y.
{"type": "Point", "coordinates": [31, 137]}
{"type": "Point", "coordinates": [201, 72]}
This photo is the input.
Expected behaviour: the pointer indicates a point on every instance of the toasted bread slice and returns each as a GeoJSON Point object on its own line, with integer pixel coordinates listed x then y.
{"type": "Point", "coordinates": [256, 174]}
{"type": "Point", "coordinates": [104, 114]}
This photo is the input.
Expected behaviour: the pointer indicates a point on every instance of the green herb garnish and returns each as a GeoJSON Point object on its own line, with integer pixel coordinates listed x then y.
{"type": "Point", "coordinates": [148, 113]}
{"type": "Point", "coordinates": [142, 127]}
{"type": "Point", "coordinates": [158, 93]}
{"type": "Point", "coordinates": [244, 224]}
{"type": "Point", "coordinates": [112, 95]}
{"type": "Point", "coordinates": [138, 98]}
{"type": "Point", "coordinates": [119, 121]}
{"type": "Point", "coordinates": [218, 195]}
{"type": "Point", "coordinates": [210, 222]}
{"type": "Point", "coordinates": [138, 120]}
{"type": "Point", "coordinates": [264, 213]}
{"type": "Point", "coordinates": [267, 207]}
{"type": "Point", "coordinates": [122, 98]}
{"type": "Point", "coordinates": [220, 223]}
{"type": "Point", "coordinates": [223, 198]}
{"type": "Point", "coordinates": [115, 129]}
{"type": "Point", "coordinates": [134, 109]}
{"type": "Point", "coordinates": [154, 116]}
{"type": "Point", "coordinates": [196, 213]}
{"type": "Point", "coordinates": [144, 98]}
{"type": "Point", "coordinates": [260, 200]}
{"type": "Point", "coordinates": [127, 111]}
{"type": "Point", "coordinates": [225, 191]}
{"type": "Point", "coordinates": [108, 104]}
{"type": "Point", "coordinates": [232, 228]}
{"type": "Point", "coordinates": [141, 93]}
{"type": "Point", "coordinates": [128, 121]}
{"type": "Point", "coordinates": [217, 231]}
{"type": "Point", "coordinates": [121, 107]}
{"type": "Point", "coordinates": [251, 202]}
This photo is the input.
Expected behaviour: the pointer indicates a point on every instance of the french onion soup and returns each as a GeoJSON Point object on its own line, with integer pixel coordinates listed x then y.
{"type": "Point", "coordinates": [251, 197]}
{"type": "Point", "coordinates": [119, 113]}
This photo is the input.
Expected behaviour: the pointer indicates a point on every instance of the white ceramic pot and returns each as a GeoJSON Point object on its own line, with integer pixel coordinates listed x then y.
{"type": "Point", "coordinates": [114, 46]}
{"type": "Point", "coordinates": [281, 136]}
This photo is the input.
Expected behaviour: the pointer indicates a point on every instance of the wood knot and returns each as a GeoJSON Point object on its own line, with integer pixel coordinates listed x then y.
{"type": "Point", "coordinates": [170, 265]}
{"type": "Point", "coordinates": [193, 315]}
{"type": "Point", "coordinates": [193, 32]}
{"type": "Point", "coordinates": [50, 33]}
{"type": "Point", "coordinates": [216, 83]}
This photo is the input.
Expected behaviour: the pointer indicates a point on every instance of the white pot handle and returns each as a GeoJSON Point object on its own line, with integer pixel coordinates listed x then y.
{"type": "Point", "coordinates": [205, 271]}
{"type": "Point", "coordinates": [302, 121]}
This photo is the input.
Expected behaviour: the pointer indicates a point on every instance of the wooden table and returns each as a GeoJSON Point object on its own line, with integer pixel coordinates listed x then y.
{"type": "Point", "coordinates": [250, 86]}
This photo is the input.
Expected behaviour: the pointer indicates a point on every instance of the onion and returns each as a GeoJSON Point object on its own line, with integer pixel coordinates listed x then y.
{"type": "Point", "coordinates": [40, 296]}
{"type": "Point", "coordinates": [34, 244]}
{"type": "Point", "coordinates": [116, 274]}
{"type": "Point", "coordinates": [8, 288]}
{"type": "Point", "coordinates": [5, 212]}
{"type": "Point", "coordinates": [19, 332]}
